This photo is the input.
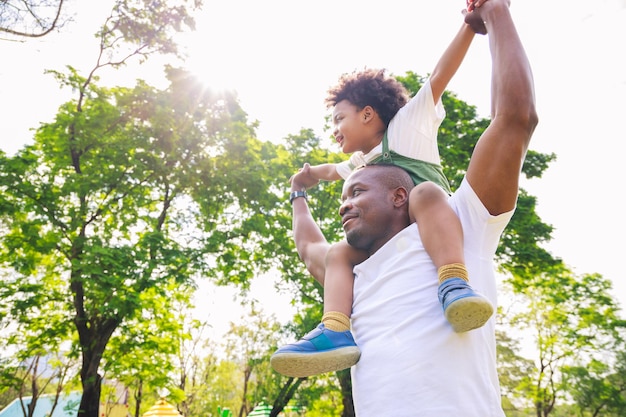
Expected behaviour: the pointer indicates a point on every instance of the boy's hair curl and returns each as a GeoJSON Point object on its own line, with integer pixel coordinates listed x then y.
{"type": "Point", "coordinates": [370, 87]}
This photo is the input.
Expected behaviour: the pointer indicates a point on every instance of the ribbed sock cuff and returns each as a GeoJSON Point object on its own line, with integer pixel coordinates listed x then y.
{"type": "Point", "coordinates": [336, 321]}
{"type": "Point", "coordinates": [453, 271]}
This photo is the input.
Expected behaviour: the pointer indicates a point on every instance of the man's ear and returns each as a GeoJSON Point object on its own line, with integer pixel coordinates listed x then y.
{"type": "Point", "coordinates": [400, 197]}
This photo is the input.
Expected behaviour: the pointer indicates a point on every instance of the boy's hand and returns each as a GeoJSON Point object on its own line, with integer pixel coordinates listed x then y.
{"type": "Point", "coordinates": [303, 180]}
{"type": "Point", "coordinates": [472, 4]}
{"type": "Point", "coordinates": [473, 17]}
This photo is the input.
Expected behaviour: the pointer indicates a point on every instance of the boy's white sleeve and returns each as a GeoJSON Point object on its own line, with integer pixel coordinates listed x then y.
{"type": "Point", "coordinates": [345, 168]}
{"type": "Point", "coordinates": [413, 130]}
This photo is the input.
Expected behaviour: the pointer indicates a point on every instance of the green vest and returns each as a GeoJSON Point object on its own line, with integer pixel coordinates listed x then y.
{"type": "Point", "coordinates": [419, 171]}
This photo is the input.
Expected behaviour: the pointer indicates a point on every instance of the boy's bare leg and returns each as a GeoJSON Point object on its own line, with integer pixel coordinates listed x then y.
{"type": "Point", "coordinates": [329, 347]}
{"type": "Point", "coordinates": [439, 226]}
{"type": "Point", "coordinates": [339, 280]}
{"type": "Point", "coordinates": [442, 235]}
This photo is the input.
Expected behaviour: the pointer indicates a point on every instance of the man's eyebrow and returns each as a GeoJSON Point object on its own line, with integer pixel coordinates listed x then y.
{"type": "Point", "coordinates": [356, 184]}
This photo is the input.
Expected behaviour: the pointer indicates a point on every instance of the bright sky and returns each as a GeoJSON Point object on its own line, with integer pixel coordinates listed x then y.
{"type": "Point", "coordinates": [281, 57]}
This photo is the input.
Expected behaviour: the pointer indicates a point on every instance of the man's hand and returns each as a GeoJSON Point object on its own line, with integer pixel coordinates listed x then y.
{"type": "Point", "coordinates": [473, 16]}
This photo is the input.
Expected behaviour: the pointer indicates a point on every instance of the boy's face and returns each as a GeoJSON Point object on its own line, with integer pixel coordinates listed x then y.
{"type": "Point", "coordinates": [349, 123]}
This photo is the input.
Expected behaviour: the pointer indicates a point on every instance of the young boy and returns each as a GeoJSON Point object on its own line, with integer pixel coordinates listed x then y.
{"type": "Point", "coordinates": [377, 123]}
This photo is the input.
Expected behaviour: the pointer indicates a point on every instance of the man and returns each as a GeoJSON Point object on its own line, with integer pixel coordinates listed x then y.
{"type": "Point", "coordinates": [412, 362]}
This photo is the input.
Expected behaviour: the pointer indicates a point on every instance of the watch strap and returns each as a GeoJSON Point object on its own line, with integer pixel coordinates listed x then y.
{"type": "Point", "coordinates": [296, 194]}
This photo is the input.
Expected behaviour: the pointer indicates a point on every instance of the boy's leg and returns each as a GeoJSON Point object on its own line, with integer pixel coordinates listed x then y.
{"type": "Point", "coordinates": [338, 285]}
{"type": "Point", "coordinates": [442, 236]}
{"type": "Point", "coordinates": [330, 346]}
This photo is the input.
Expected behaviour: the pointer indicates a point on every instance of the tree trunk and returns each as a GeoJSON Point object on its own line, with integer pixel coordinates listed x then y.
{"type": "Point", "coordinates": [34, 386]}
{"type": "Point", "coordinates": [90, 401]}
{"type": "Point", "coordinates": [286, 393]}
{"type": "Point", "coordinates": [345, 381]}
{"type": "Point", "coordinates": [93, 335]}
{"type": "Point", "coordinates": [94, 340]}
{"type": "Point", "coordinates": [244, 402]}
{"type": "Point", "coordinates": [138, 398]}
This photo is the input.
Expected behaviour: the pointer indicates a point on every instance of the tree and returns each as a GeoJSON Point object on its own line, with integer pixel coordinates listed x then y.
{"type": "Point", "coordinates": [512, 368]}
{"type": "Point", "coordinates": [598, 388]}
{"type": "Point", "coordinates": [249, 345]}
{"type": "Point", "coordinates": [191, 370]}
{"type": "Point", "coordinates": [38, 336]}
{"type": "Point", "coordinates": [36, 375]}
{"type": "Point", "coordinates": [133, 190]}
{"type": "Point", "coordinates": [109, 198]}
{"type": "Point", "coordinates": [141, 353]}
{"type": "Point", "coordinates": [30, 18]}
{"type": "Point", "coordinates": [574, 321]}
{"type": "Point", "coordinates": [131, 194]}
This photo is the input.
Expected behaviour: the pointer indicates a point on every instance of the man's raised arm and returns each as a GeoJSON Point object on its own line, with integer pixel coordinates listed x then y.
{"type": "Point", "coordinates": [496, 163]}
{"type": "Point", "coordinates": [310, 242]}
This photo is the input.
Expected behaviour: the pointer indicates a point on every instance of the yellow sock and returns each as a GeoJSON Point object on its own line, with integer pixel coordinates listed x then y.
{"type": "Point", "coordinates": [336, 321]}
{"type": "Point", "coordinates": [453, 271]}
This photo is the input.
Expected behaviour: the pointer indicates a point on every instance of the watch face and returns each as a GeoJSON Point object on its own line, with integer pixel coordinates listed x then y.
{"type": "Point", "coordinates": [296, 194]}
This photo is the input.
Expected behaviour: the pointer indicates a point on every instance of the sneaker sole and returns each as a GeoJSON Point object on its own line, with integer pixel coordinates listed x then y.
{"type": "Point", "coordinates": [300, 365]}
{"type": "Point", "coordinates": [468, 313]}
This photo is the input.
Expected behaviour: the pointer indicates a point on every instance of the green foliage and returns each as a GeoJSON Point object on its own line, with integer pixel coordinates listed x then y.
{"type": "Point", "coordinates": [33, 375]}
{"type": "Point", "coordinates": [597, 388]}
{"type": "Point", "coordinates": [140, 28]}
{"type": "Point", "coordinates": [520, 251]}
{"type": "Point", "coordinates": [512, 368]}
{"type": "Point", "coordinates": [117, 205]}
{"type": "Point", "coordinates": [140, 352]}
{"type": "Point", "coordinates": [221, 388]}
{"type": "Point", "coordinates": [574, 322]}
{"type": "Point", "coordinates": [248, 344]}
{"type": "Point", "coordinates": [132, 194]}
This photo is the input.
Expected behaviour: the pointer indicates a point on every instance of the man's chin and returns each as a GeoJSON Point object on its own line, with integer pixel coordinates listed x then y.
{"type": "Point", "coordinates": [353, 238]}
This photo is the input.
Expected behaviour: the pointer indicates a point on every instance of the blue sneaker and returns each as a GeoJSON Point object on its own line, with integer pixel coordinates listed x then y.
{"type": "Point", "coordinates": [464, 308]}
{"type": "Point", "coordinates": [319, 351]}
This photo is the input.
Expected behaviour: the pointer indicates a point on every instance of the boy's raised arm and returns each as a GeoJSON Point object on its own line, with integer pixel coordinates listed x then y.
{"type": "Point", "coordinates": [450, 61]}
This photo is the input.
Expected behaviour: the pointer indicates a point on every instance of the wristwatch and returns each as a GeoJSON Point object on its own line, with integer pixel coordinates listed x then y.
{"type": "Point", "coordinates": [296, 194]}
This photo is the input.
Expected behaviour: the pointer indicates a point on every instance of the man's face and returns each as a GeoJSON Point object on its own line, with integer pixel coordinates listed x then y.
{"type": "Point", "coordinates": [366, 210]}
{"type": "Point", "coordinates": [347, 120]}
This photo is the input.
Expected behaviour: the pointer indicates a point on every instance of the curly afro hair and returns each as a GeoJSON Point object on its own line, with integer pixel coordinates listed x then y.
{"type": "Point", "coordinates": [370, 87]}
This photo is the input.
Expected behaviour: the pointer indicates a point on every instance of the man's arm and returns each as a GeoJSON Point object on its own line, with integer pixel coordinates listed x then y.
{"type": "Point", "coordinates": [496, 163]}
{"type": "Point", "coordinates": [450, 61]}
{"type": "Point", "coordinates": [310, 242]}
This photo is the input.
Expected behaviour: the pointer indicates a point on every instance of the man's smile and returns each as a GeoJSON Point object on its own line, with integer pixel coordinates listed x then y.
{"type": "Point", "coordinates": [347, 217]}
